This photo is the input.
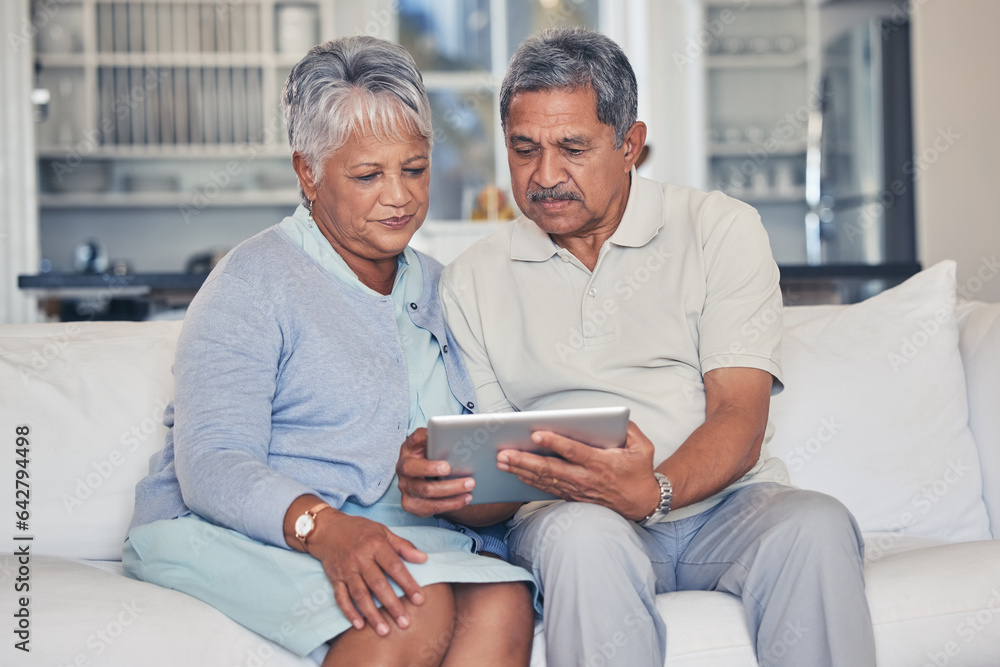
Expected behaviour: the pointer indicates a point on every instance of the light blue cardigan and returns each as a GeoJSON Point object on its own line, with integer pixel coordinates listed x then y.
{"type": "Point", "coordinates": [289, 382]}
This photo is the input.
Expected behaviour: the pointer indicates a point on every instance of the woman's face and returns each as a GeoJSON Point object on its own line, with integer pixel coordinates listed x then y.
{"type": "Point", "coordinates": [372, 196]}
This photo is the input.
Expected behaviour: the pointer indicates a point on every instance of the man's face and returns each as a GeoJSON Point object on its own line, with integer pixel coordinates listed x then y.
{"type": "Point", "coordinates": [565, 172]}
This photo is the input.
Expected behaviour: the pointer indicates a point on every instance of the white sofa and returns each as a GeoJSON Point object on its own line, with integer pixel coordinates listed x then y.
{"type": "Point", "coordinates": [892, 405]}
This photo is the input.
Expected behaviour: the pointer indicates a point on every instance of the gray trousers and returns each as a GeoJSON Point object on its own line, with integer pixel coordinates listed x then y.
{"type": "Point", "coordinates": [794, 557]}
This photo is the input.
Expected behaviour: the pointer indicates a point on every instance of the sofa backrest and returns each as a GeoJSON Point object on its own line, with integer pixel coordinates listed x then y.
{"type": "Point", "coordinates": [91, 396]}
{"type": "Point", "coordinates": [875, 411]}
{"type": "Point", "coordinates": [980, 347]}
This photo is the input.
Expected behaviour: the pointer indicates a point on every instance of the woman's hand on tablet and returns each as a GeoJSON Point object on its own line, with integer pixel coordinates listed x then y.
{"type": "Point", "coordinates": [425, 495]}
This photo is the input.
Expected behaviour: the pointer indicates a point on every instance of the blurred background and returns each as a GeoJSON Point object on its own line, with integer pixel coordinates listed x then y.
{"type": "Point", "coordinates": [152, 140]}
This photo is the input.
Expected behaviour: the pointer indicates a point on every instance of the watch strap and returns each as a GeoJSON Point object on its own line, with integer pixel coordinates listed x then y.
{"type": "Point", "coordinates": [666, 497]}
{"type": "Point", "coordinates": [312, 513]}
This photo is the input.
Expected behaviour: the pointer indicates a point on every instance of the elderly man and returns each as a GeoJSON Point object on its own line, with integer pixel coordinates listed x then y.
{"type": "Point", "coordinates": [615, 290]}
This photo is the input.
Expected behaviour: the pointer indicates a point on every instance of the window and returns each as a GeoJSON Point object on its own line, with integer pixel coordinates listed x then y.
{"type": "Point", "coordinates": [462, 48]}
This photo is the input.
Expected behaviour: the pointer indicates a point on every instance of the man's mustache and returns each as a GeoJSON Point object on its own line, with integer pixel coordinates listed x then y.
{"type": "Point", "coordinates": [552, 193]}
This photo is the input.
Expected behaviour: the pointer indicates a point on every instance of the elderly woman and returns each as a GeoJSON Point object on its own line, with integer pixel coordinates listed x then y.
{"type": "Point", "coordinates": [311, 352]}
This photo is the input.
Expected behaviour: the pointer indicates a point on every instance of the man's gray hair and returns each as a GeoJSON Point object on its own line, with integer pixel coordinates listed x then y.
{"type": "Point", "coordinates": [569, 58]}
{"type": "Point", "coordinates": [351, 85]}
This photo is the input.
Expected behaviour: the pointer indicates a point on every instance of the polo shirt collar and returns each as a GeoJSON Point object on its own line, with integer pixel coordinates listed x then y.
{"type": "Point", "coordinates": [643, 216]}
{"type": "Point", "coordinates": [640, 222]}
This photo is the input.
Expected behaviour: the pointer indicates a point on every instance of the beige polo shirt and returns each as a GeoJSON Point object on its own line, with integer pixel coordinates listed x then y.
{"type": "Point", "coordinates": [686, 284]}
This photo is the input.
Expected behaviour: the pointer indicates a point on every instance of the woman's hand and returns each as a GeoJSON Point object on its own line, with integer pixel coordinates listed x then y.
{"type": "Point", "coordinates": [425, 496]}
{"type": "Point", "coordinates": [359, 557]}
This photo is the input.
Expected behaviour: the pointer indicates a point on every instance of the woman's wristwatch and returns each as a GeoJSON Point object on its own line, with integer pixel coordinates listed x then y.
{"type": "Point", "coordinates": [305, 525]}
{"type": "Point", "coordinates": [666, 496]}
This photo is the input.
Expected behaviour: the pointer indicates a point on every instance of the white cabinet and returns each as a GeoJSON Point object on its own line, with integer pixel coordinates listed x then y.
{"type": "Point", "coordinates": [169, 103]}
{"type": "Point", "coordinates": [762, 100]}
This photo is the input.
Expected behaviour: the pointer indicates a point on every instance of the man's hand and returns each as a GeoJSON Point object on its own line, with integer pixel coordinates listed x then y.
{"type": "Point", "coordinates": [620, 479]}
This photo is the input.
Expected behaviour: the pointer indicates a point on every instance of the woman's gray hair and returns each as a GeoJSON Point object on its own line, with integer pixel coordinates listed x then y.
{"type": "Point", "coordinates": [351, 85]}
{"type": "Point", "coordinates": [575, 58]}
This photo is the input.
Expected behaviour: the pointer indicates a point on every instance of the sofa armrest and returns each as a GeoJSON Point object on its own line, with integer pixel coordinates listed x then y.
{"type": "Point", "coordinates": [979, 343]}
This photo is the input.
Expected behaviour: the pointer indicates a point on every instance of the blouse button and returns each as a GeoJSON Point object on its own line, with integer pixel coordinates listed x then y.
{"type": "Point", "coordinates": [470, 405]}
{"type": "Point", "coordinates": [444, 348]}
{"type": "Point", "coordinates": [413, 305]}
{"type": "Point", "coordinates": [593, 291]}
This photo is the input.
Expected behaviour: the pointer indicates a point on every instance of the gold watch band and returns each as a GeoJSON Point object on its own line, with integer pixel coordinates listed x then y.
{"type": "Point", "coordinates": [313, 512]}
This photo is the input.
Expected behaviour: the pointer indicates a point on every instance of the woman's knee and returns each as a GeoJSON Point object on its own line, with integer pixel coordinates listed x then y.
{"type": "Point", "coordinates": [423, 642]}
{"type": "Point", "coordinates": [485, 602]}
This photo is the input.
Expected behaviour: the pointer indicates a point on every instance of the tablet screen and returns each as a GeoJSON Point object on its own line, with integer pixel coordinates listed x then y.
{"type": "Point", "coordinates": [470, 444]}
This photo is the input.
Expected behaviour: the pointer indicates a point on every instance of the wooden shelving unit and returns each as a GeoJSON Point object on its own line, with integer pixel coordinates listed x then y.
{"type": "Point", "coordinates": [141, 88]}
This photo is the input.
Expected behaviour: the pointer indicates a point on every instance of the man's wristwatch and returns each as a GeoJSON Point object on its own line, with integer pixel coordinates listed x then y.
{"type": "Point", "coordinates": [666, 495]}
{"type": "Point", "coordinates": [305, 525]}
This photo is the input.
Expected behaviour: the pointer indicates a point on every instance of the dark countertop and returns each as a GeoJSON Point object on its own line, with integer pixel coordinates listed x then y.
{"type": "Point", "coordinates": [133, 282]}
{"type": "Point", "coordinates": [192, 281]}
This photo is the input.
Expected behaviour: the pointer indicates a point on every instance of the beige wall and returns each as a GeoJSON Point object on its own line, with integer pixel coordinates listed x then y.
{"type": "Point", "coordinates": [957, 117]}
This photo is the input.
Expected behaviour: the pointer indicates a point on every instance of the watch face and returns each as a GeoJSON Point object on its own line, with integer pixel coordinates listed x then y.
{"type": "Point", "coordinates": [303, 526]}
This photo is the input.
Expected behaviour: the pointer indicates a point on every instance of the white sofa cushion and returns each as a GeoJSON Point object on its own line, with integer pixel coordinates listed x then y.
{"type": "Point", "coordinates": [937, 605]}
{"type": "Point", "coordinates": [980, 347]}
{"type": "Point", "coordinates": [93, 396]}
{"type": "Point", "coordinates": [874, 410]}
{"type": "Point", "coordinates": [84, 615]}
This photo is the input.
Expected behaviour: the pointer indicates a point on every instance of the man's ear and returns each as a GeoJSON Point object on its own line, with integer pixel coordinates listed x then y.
{"type": "Point", "coordinates": [307, 179]}
{"type": "Point", "coordinates": [635, 139]}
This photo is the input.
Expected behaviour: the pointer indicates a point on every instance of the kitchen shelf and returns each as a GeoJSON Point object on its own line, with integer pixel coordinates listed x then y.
{"type": "Point", "coordinates": [180, 151]}
{"type": "Point", "coordinates": [794, 196]}
{"type": "Point", "coordinates": [758, 71]}
{"type": "Point", "coordinates": [756, 60]}
{"type": "Point", "coordinates": [737, 5]}
{"type": "Point", "coordinates": [232, 199]}
{"type": "Point", "coordinates": [746, 148]}
{"type": "Point", "coordinates": [153, 79]}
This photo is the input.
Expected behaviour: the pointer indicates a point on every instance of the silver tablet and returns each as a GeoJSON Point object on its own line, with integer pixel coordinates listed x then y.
{"type": "Point", "coordinates": [470, 444]}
